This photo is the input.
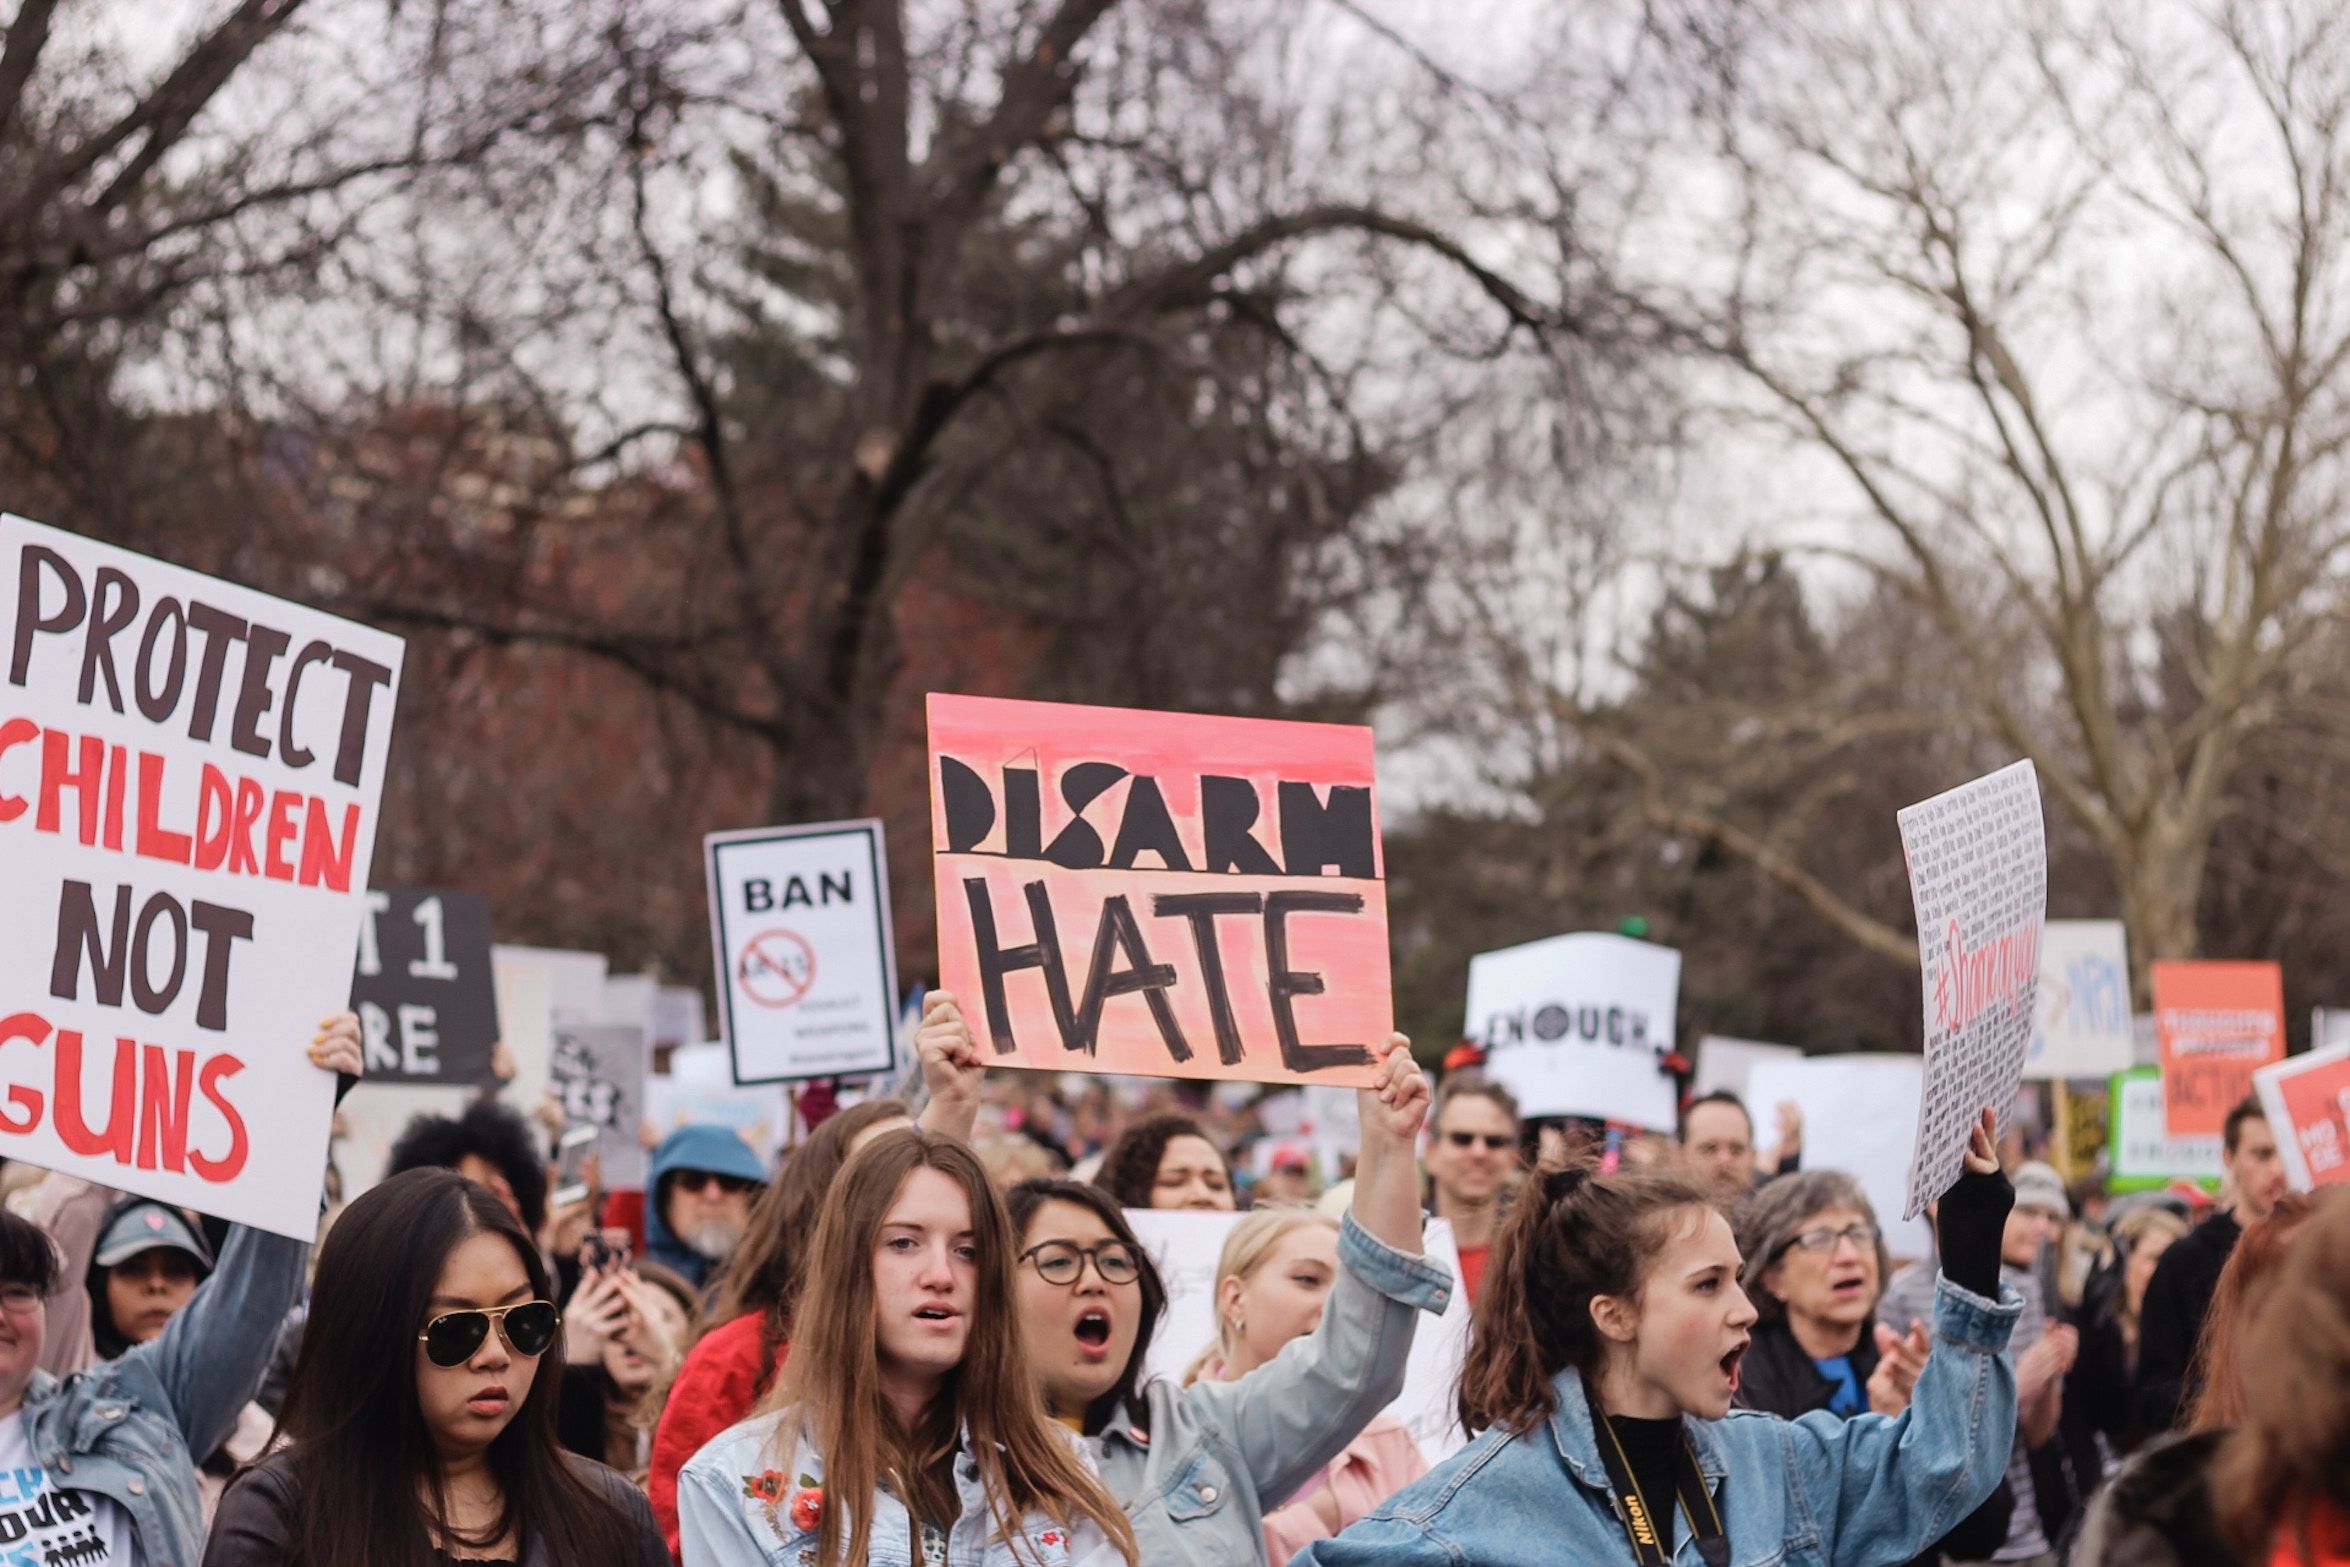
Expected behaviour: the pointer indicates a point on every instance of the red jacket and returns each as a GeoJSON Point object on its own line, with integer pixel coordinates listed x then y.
{"type": "Point", "coordinates": [722, 1377]}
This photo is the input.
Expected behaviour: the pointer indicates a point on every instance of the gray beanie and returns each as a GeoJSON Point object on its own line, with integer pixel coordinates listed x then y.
{"type": "Point", "coordinates": [2038, 1185]}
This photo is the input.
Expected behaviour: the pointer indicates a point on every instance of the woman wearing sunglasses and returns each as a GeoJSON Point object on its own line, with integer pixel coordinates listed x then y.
{"type": "Point", "coordinates": [904, 1430]}
{"type": "Point", "coordinates": [421, 1413]}
{"type": "Point", "coordinates": [1197, 1467]}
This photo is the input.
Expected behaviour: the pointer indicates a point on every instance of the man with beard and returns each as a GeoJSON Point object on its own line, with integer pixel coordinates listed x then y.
{"type": "Point", "coordinates": [704, 1180]}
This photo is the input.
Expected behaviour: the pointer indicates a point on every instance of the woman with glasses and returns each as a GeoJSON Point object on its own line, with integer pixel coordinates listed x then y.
{"type": "Point", "coordinates": [1815, 1267]}
{"type": "Point", "coordinates": [1196, 1468]}
{"type": "Point", "coordinates": [421, 1414]}
{"type": "Point", "coordinates": [904, 1430]}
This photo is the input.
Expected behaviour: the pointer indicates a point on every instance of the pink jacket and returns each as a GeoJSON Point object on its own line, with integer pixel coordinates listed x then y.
{"type": "Point", "coordinates": [1376, 1465]}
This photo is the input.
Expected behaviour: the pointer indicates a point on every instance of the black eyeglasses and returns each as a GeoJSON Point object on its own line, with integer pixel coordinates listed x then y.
{"type": "Point", "coordinates": [1493, 1142]}
{"type": "Point", "coordinates": [1862, 1236]}
{"type": "Point", "coordinates": [1060, 1262]}
{"type": "Point", "coordinates": [528, 1327]}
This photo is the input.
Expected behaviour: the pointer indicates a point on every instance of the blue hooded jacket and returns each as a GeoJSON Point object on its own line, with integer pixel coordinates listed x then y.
{"type": "Point", "coordinates": [716, 1149]}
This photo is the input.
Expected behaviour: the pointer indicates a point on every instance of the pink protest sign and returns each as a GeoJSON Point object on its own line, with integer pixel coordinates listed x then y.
{"type": "Point", "coordinates": [1162, 894]}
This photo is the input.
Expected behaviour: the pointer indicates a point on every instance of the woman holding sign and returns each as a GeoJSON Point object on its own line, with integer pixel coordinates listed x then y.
{"type": "Point", "coordinates": [1608, 1340]}
{"type": "Point", "coordinates": [1197, 1467]}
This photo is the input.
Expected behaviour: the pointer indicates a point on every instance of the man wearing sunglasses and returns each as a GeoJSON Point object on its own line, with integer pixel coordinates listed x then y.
{"type": "Point", "coordinates": [704, 1180]}
{"type": "Point", "coordinates": [1472, 1156]}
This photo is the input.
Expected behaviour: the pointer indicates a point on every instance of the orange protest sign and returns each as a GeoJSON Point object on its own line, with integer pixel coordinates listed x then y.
{"type": "Point", "coordinates": [2308, 1105]}
{"type": "Point", "coordinates": [1161, 894]}
{"type": "Point", "coordinates": [2218, 1023]}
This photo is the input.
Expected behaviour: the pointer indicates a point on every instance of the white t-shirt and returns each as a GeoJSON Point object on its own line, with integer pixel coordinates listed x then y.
{"type": "Point", "coordinates": [45, 1525]}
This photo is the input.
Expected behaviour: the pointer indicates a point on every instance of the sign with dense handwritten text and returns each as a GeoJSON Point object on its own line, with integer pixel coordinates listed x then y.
{"type": "Point", "coordinates": [2084, 1014]}
{"type": "Point", "coordinates": [1160, 894]}
{"type": "Point", "coordinates": [1580, 1025]}
{"type": "Point", "coordinates": [189, 774]}
{"type": "Point", "coordinates": [1978, 876]}
{"type": "Point", "coordinates": [2218, 1023]}
{"type": "Point", "coordinates": [807, 962]}
{"type": "Point", "coordinates": [424, 992]}
{"type": "Point", "coordinates": [2307, 1098]}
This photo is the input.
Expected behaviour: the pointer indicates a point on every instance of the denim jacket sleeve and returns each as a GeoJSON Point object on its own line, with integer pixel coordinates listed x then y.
{"type": "Point", "coordinates": [1884, 1489]}
{"type": "Point", "coordinates": [211, 1355]}
{"type": "Point", "coordinates": [711, 1528]}
{"type": "Point", "coordinates": [1288, 1418]}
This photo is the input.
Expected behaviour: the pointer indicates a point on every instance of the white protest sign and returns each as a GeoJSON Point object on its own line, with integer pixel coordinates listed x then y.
{"type": "Point", "coordinates": [1860, 1115]}
{"type": "Point", "coordinates": [699, 1089]}
{"type": "Point", "coordinates": [1724, 1065]}
{"type": "Point", "coordinates": [189, 777]}
{"type": "Point", "coordinates": [807, 966]}
{"type": "Point", "coordinates": [2083, 1019]}
{"type": "Point", "coordinates": [1186, 1246]}
{"type": "Point", "coordinates": [1579, 1025]}
{"type": "Point", "coordinates": [1978, 875]}
{"type": "Point", "coordinates": [598, 1075]}
{"type": "Point", "coordinates": [2142, 1149]}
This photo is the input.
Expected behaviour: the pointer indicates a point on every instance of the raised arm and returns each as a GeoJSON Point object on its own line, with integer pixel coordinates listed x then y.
{"type": "Point", "coordinates": [1292, 1415]}
{"type": "Point", "coordinates": [210, 1357]}
{"type": "Point", "coordinates": [952, 1068]}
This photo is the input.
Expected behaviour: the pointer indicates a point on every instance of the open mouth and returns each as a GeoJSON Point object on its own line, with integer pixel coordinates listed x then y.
{"type": "Point", "coordinates": [1093, 1330]}
{"type": "Point", "coordinates": [934, 1314]}
{"type": "Point", "coordinates": [1844, 1289]}
{"type": "Point", "coordinates": [1729, 1364]}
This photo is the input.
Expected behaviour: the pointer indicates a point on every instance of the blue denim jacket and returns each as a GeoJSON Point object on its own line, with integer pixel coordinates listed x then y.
{"type": "Point", "coordinates": [736, 1507]}
{"type": "Point", "coordinates": [1814, 1492]}
{"type": "Point", "coordinates": [1195, 1484]}
{"type": "Point", "coordinates": [133, 1428]}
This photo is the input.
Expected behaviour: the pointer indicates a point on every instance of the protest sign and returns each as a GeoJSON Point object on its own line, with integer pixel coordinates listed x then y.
{"type": "Point", "coordinates": [1978, 877]}
{"type": "Point", "coordinates": [1161, 894]}
{"type": "Point", "coordinates": [1186, 1245]}
{"type": "Point", "coordinates": [426, 999]}
{"type": "Point", "coordinates": [677, 1017]}
{"type": "Point", "coordinates": [699, 1090]}
{"type": "Point", "coordinates": [1724, 1064]}
{"type": "Point", "coordinates": [2219, 1023]}
{"type": "Point", "coordinates": [1860, 1115]}
{"type": "Point", "coordinates": [2145, 1154]}
{"type": "Point", "coordinates": [2307, 1098]}
{"type": "Point", "coordinates": [1579, 1025]}
{"type": "Point", "coordinates": [189, 777]}
{"type": "Point", "coordinates": [807, 966]}
{"type": "Point", "coordinates": [2084, 1013]}
{"type": "Point", "coordinates": [597, 1073]}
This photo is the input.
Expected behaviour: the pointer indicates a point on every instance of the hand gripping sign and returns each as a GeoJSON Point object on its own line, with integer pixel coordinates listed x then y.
{"type": "Point", "coordinates": [1160, 894]}
{"type": "Point", "coordinates": [189, 773]}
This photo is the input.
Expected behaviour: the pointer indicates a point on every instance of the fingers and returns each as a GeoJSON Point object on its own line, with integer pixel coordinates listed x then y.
{"type": "Point", "coordinates": [336, 1048]}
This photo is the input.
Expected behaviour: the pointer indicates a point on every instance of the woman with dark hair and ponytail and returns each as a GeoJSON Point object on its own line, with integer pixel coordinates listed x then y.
{"type": "Point", "coordinates": [421, 1413]}
{"type": "Point", "coordinates": [1601, 1374]}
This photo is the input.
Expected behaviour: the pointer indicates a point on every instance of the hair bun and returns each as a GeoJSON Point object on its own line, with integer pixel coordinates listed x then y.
{"type": "Point", "coordinates": [1559, 1184]}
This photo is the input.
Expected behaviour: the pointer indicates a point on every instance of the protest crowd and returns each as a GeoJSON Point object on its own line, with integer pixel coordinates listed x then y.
{"type": "Point", "coordinates": [1138, 1263]}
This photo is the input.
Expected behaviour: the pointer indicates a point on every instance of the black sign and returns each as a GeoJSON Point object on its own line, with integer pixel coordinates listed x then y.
{"type": "Point", "coordinates": [427, 1008]}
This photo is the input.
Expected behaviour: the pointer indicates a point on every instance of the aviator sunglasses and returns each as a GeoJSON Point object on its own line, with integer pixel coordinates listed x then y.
{"type": "Point", "coordinates": [528, 1326]}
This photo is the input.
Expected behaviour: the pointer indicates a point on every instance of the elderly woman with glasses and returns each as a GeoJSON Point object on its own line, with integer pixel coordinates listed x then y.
{"type": "Point", "coordinates": [1815, 1268]}
{"type": "Point", "coordinates": [1815, 1264]}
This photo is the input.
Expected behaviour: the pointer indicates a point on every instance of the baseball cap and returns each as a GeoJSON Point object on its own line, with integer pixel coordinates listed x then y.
{"type": "Point", "coordinates": [143, 1227]}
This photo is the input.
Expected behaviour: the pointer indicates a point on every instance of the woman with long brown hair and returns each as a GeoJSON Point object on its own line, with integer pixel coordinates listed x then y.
{"type": "Point", "coordinates": [905, 1428]}
{"type": "Point", "coordinates": [744, 1337]}
{"type": "Point", "coordinates": [2272, 1489]}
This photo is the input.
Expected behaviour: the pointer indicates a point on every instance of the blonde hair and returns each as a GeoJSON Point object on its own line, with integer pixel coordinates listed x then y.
{"type": "Point", "coordinates": [1250, 1245]}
